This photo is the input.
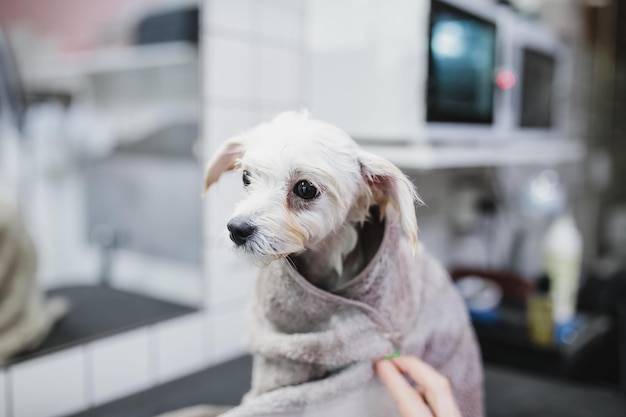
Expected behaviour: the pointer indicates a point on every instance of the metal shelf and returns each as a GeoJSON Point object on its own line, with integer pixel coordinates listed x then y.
{"type": "Point", "coordinates": [520, 152]}
{"type": "Point", "coordinates": [110, 60]}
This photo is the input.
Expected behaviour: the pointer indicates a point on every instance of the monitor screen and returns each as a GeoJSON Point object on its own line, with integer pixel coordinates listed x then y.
{"type": "Point", "coordinates": [537, 88]}
{"type": "Point", "coordinates": [461, 66]}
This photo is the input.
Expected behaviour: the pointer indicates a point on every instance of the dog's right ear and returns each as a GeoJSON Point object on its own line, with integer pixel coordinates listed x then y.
{"type": "Point", "coordinates": [223, 160]}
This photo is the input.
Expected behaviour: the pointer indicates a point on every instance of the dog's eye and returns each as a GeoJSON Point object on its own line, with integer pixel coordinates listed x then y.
{"type": "Point", "coordinates": [246, 178]}
{"type": "Point", "coordinates": [304, 189]}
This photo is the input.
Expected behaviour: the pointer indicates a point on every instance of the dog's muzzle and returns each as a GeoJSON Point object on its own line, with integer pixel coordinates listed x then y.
{"type": "Point", "coordinates": [240, 230]}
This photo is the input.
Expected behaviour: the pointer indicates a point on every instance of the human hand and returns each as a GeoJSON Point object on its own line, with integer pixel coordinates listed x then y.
{"type": "Point", "coordinates": [431, 398]}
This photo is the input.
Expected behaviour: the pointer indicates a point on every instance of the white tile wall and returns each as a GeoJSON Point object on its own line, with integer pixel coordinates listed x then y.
{"type": "Point", "coordinates": [229, 69]}
{"type": "Point", "coordinates": [53, 385]}
{"type": "Point", "coordinates": [120, 365]}
{"type": "Point", "coordinates": [4, 404]}
{"type": "Point", "coordinates": [104, 370]}
{"type": "Point", "coordinates": [221, 200]}
{"type": "Point", "coordinates": [270, 110]}
{"type": "Point", "coordinates": [229, 15]}
{"type": "Point", "coordinates": [227, 328]}
{"type": "Point", "coordinates": [279, 77]}
{"type": "Point", "coordinates": [223, 122]}
{"type": "Point", "coordinates": [157, 277]}
{"type": "Point", "coordinates": [253, 64]}
{"type": "Point", "coordinates": [265, 36]}
{"type": "Point", "coordinates": [231, 278]}
{"type": "Point", "coordinates": [180, 346]}
{"type": "Point", "coordinates": [280, 20]}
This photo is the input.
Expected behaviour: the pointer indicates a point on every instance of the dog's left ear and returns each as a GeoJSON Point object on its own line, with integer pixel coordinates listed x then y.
{"type": "Point", "coordinates": [223, 160]}
{"type": "Point", "coordinates": [389, 185]}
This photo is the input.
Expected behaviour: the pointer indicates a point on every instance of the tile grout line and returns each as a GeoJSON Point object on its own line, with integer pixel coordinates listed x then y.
{"type": "Point", "coordinates": [8, 390]}
{"type": "Point", "coordinates": [255, 45]}
{"type": "Point", "coordinates": [254, 37]}
{"type": "Point", "coordinates": [89, 375]}
{"type": "Point", "coordinates": [153, 353]}
{"type": "Point", "coordinates": [303, 71]}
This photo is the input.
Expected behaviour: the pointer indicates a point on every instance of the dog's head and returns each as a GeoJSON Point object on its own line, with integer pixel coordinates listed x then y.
{"type": "Point", "coordinates": [304, 180]}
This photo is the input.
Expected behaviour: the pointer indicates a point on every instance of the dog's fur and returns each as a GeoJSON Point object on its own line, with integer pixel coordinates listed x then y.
{"type": "Point", "coordinates": [339, 286]}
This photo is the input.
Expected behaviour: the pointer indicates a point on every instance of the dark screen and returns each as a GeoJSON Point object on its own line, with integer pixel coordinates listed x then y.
{"type": "Point", "coordinates": [461, 66]}
{"type": "Point", "coordinates": [537, 88]}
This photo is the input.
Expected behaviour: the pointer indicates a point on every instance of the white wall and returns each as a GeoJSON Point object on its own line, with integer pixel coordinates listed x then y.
{"type": "Point", "coordinates": [367, 66]}
{"type": "Point", "coordinates": [253, 66]}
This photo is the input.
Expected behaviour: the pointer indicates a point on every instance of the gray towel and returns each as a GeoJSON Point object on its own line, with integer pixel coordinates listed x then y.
{"type": "Point", "coordinates": [313, 350]}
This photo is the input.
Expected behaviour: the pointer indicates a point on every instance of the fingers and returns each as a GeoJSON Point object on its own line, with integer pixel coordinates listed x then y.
{"type": "Point", "coordinates": [410, 402]}
{"type": "Point", "coordinates": [436, 387]}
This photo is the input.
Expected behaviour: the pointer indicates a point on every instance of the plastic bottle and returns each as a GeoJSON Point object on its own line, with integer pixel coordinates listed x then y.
{"type": "Point", "coordinates": [539, 313]}
{"type": "Point", "coordinates": [562, 250]}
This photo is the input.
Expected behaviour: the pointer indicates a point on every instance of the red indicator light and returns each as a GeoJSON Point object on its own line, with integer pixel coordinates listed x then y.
{"type": "Point", "coordinates": [506, 80]}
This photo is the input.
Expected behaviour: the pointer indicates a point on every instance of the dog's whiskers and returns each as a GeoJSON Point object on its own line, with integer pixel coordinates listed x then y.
{"type": "Point", "coordinates": [291, 263]}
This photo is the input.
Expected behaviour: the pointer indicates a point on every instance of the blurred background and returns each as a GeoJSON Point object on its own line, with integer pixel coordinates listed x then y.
{"type": "Point", "coordinates": [116, 297]}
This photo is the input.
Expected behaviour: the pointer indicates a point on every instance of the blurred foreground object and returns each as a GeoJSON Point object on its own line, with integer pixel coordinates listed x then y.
{"type": "Point", "coordinates": [25, 316]}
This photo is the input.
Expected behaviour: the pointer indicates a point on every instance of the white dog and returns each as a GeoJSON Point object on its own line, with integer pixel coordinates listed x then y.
{"type": "Point", "coordinates": [343, 282]}
{"type": "Point", "coordinates": [309, 188]}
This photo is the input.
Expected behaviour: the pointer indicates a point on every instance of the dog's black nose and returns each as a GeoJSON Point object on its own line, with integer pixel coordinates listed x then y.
{"type": "Point", "coordinates": [240, 230]}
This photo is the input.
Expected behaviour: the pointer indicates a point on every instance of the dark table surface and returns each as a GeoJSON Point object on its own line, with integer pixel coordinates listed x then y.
{"type": "Point", "coordinates": [97, 312]}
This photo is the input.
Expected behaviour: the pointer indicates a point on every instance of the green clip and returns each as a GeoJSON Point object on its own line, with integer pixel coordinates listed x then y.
{"type": "Point", "coordinates": [393, 355]}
